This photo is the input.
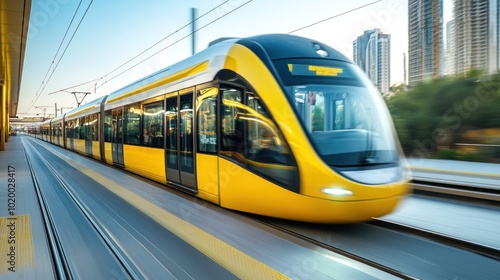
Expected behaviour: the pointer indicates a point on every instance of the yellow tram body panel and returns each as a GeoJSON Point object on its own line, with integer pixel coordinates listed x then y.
{"type": "Point", "coordinates": [78, 145]}
{"type": "Point", "coordinates": [108, 153]}
{"type": "Point", "coordinates": [96, 151]}
{"type": "Point", "coordinates": [207, 177]}
{"type": "Point", "coordinates": [245, 191]}
{"type": "Point", "coordinates": [68, 144]}
{"type": "Point", "coordinates": [145, 161]}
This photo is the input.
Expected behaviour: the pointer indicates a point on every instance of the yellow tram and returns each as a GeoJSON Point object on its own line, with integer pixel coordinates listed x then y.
{"type": "Point", "coordinates": [275, 125]}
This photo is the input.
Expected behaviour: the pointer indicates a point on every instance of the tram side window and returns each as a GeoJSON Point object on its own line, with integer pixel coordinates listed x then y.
{"type": "Point", "coordinates": [186, 123]}
{"type": "Point", "coordinates": [92, 127]}
{"type": "Point", "coordinates": [95, 127]}
{"type": "Point", "coordinates": [107, 126]}
{"type": "Point", "coordinates": [171, 123]}
{"type": "Point", "coordinates": [86, 130]}
{"type": "Point", "coordinates": [69, 129]}
{"type": "Point", "coordinates": [54, 129]}
{"type": "Point", "coordinates": [266, 142]}
{"type": "Point", "coordinates": [72, 128]}
{"type": "Point", "coordinates": [76, 128]}
{"type": "Point", "coordinates": [57, 128]}
{"type": "Point", "coordinates": [152, 125]}
{"type": "Point", "coordinates": [232, 130]}
{"type": "Point", "coordinates": [207, 108]}
{"type": "Point", "coordinates": [131, 122]}
{"type": "Point", "coordinates": [81, 128]}
{"type": "Point", "coordinates": [250, 136]}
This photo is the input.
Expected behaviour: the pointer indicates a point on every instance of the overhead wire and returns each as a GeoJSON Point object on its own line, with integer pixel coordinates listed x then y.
{"type": "Point", "coordinates": [184, 37]}
{"type": "Point", "coordinates": [45, 79]}
{"type": "Point", "coordinates": [168, 36]}
{"type": "Point", "coordinates": [66, 89]}
{"type": "Point", "coordinates": [71, 39]}
{"type": "Point", "coordinates": [211, 22]}
{"type": "Point", "coordinates": [349, 11]}
{"type": "Point", "coordinates": [144, 51]}
{"type": "Point", "coordinates": [39, 91]}
{"type": "Point", "coordinates": [332, 17]}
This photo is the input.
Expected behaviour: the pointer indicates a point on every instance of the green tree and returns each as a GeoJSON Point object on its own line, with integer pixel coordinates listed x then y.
{"type": "Point", "coordinates": [436, 113]}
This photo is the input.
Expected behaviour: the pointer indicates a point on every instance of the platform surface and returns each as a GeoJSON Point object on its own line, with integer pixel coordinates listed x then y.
{"type": "Point", "coordinates": [24, 249]}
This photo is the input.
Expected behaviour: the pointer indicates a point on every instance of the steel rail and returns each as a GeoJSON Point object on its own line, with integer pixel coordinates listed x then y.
{"type": "Point", "coordinates": [336, 250]}
{"type": "Point", "coordinates": [119, 253]}
{"type": "Point", "coordinates": [114, 248]}
{"type": "Point", "coordinates": [479, 193]}
{"type": "Point", "coordinates": [455, 242]}
{"type": "Point", "coordinates": [57, 253]}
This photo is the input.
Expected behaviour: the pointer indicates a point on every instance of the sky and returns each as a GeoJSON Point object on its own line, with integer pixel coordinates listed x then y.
{"type": "Point", "coordinates": [102, 46]}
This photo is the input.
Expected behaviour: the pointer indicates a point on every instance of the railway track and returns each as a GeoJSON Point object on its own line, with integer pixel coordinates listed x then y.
{"type": "Point", "coordinates": [319, 241]}
{"type": "Point", "coordinates": [346, 239]}
{"type": "Point", "coordinates": [402, 251]}
{"type": "Point", "coordinates": [366, 243]}
{"type": "Point", "coordinates": [71, 230]}
{"type": "Point", "coordinates": [135, 245]}
{"type": "Point", "coordinates": [455, 242]}
{"type": "Point", "coordinates": [483, 194]}
{"type": "Point", "coordinates": [58, 258]}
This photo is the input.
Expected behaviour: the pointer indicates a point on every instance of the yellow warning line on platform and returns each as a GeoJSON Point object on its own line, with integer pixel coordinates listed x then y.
{"type": "Point", "coordinates": [234, 260]}
{"type": "Point", "coordinates": [16, 243]}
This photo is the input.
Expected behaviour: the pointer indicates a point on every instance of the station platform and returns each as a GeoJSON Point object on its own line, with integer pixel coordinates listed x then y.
{"type": "Point", "coordinates": [155, 227]}
{"type": "Point", "coordinates": [463, 167]}
{"type": "Point", "coordinates": [24, 249]}
{"type": "Point", "coordinates": [462, 173]}
{"type": "Point", "coordinates": [468, 221]}
{"type": "Point", "coordinates": [155, 232]}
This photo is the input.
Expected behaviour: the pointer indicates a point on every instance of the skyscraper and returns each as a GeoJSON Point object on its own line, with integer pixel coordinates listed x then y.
{"type": "Point", "coordinates": [477, 35]}
{"type": "Point", "coordinates": [425, 40]}
{"type": "Point", "coordinates": [371, 51]}
{"type": "Point", "coordinates": [450, 48]}
{"type": "Point", "coordinates": [494, 35]}
{"type": "Point", "coordinates": [359, 48]}
{"type": "Point", "coordinates": [494, 30]}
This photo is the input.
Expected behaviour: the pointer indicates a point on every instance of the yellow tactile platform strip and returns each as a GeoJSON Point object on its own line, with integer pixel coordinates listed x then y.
{"type": "Point", "coordinates": [16, 243]}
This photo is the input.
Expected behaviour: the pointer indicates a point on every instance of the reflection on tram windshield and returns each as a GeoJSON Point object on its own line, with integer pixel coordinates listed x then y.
{"type": "Point", "coordinates": [343, 123]}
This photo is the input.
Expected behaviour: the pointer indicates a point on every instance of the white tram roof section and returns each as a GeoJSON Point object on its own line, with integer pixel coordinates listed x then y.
{"type": "Point", "coordinates": [92, 107]}
{"type": "Point", "coordinates": [59, 118]}
{"type": "Point", "coordinates": [197, 69]}
{"type": "Point", "coordinates": [45, 123]}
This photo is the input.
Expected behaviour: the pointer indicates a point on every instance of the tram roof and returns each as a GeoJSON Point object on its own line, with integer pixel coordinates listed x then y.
{"type": "Point", "coordinates": [197, 69]}
{"type": "Point", "coordinates": [203, 66]}
{"type": "Point", "coordinates": [281, 46]}
{"type": "Point", "coordinates": [93, 106]}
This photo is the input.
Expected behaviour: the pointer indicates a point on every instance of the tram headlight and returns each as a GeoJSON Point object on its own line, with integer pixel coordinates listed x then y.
{"type": "Point", "coordinates": [337, 191]}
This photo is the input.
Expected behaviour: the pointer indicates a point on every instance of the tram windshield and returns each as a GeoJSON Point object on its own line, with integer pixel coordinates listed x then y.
{"type": "Point", "coordinates": [342, 113]}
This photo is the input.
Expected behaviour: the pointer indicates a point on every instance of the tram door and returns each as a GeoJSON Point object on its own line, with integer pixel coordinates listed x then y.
{"type": "Point", "coordinates": [88, 135]}
{"type": "Point", "coordinates": [117, 137]}
{"type": "Point", "coordinates": [179, 152]}
{"type": "Point", "coordinates": [57, 133]}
